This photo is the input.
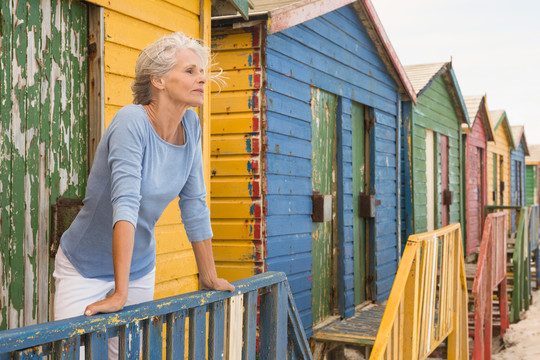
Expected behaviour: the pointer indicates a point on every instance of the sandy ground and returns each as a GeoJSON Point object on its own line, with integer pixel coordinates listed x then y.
{"type": "Point", "coordinates": [522, 340]}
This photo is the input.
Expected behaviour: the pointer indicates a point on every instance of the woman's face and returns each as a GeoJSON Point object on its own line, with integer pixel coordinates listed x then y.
{"type": "Point", "coordinates": [184, 84]}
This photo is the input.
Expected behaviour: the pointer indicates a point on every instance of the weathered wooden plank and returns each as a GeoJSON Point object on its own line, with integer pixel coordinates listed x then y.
{"type": "Point", "coordinates": [235, 101]}
{"type": "Point", "coordinates": [235, 145]}
{"type": "Point", "coordinates": [249, 326]}
{"type": "Point", "coordinates": [326, 37]}
{"type": "Point", "coordinates": [238, 80]}
{"type": "Point", "coordinates": [33, 308]}
{"type": "Point", "coordinates": [243, 165]}
{"type": "Point", "coordinates": [233, 40]}
{"type": "Point", "coordinates": [237, 250]}
{"type": "Point", "coordinates": [273, 323]}
{"type": "Point", "coordinates": [176, 327]}
{"type": "Point", "coordinates": [132, 32]}
{"type": "Point", "coordinates": [237, 123]}
{"type": "Point", "coordinates": [236, 209]}
{"type": "Point", "coordinates": [115, 90]}
{"type": "Point", "coordinates": [152, 11]}
{"type": "Point", "coordinates": [168, 237]}
{"type": "Point", "coordinates": [231, 229]}
{"type": "Point", "coordinates": [303, 72]}
{"type": "Point", "coordinates": [216, 330]}
{"type": "Point", "coordinates": [176, 286]}
{"type": "Point", "coordinates": [288, 205]}
{"type": "Point", "coordinates": [359, 224]}
{"type": "Point", "coordinates": [152, 338]}
{"type": "Point", "coordinates": [96, 83]}
{"type": "Point", "coordinates": [323, 172]}
{"type": "Point", "coordinates": [6, 73]}
{"type": "Point", "coordinates": [237, 59]}
{"type": "Point", "coordinates": [197, 333]}
{"type": "Point", "coordinates": [233, 337]}
{"type": "Point", "coordinates": [33, 354]}
{"type": "Point", "coordinates": [235, 187]}
{"type": "Point", "coordinates": [67, 349]}
{"type": "Point", "coordinates": [129, 341]}
{"type": "Point", "coordinates": [237, 270]}
{"type": "Point", "coordinates": [168, 265]}
{"type": "Point", "coordinates": [18, 167]}
{"type": "Point", "coordinates": [96, 346]}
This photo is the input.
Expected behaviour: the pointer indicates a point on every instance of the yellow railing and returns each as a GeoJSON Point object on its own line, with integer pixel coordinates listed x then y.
{"type": "Point", "coordinates": [428, 301]}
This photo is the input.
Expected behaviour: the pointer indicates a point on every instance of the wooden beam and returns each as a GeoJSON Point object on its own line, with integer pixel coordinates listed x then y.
{"type": "Point", "coordinates": [96, 103]}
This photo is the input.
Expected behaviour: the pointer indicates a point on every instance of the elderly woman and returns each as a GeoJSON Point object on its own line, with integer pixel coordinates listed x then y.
{"type": "Point", "coordinates": [149, 154]}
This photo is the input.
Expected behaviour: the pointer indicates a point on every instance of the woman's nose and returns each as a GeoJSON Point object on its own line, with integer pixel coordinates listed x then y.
{"type": "Point", "coordinates": [202, 78]}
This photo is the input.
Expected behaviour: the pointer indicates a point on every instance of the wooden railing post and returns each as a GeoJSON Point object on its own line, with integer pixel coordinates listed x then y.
{"type": "Point", "coordinates": [68, 349]}
{"type": "Point", "coordinates": [216, 330]}
{"type": "Point", "coordinates": [250, 325]}
{"type": "Point", "coordinates": [176, 328]}
{"type": "Point", "coordinates": [197, 333]}
{"type": "Point", "coordinates": [410, 320]}
{"type": "Point", "coordinates": [273, 326]}
{"type": "Point", "coordinates": [96, 346]}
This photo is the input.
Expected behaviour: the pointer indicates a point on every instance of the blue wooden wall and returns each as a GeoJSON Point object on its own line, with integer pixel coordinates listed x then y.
{"type": "Point", "coordinates": [517, 194]}
{"type": "Point", "coordinates": [334, 53]}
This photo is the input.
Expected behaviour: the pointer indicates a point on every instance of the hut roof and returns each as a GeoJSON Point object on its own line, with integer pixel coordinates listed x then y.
{"type": "Point", "coordinates": [519, 136]}
{"type": "Point", "coordinates": [498, 118]}
{"type": "Point", "coordinates": [282, 14]}
{"type": "Point", "coordinates": [423, 75]}
{"type": "Point", "coordinates": [534, 155]}
{"type": "Point", "coordinates": [478, 104]}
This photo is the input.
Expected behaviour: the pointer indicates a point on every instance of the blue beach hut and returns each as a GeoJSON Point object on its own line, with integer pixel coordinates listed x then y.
{"type": "Point", "coordinates": [305, 151]}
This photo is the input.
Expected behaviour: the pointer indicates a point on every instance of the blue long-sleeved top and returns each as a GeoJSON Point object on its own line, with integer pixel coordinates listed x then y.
{"type": "Point", "coordinates": [135, 175]}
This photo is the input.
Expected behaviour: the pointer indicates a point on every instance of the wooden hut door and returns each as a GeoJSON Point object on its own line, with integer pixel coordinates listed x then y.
{"type": "Point", "coordinates": [43, 143]}
{"type": "Point", "coordinates": [324, 174]}
{"type": "Point", "coordinates": [359, 146]}
{"type": "Point", "coordinates": [445, 203]}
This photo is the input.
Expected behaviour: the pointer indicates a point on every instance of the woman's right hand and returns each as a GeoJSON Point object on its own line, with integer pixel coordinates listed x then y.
{"type": "Point", "coordinates": [113, 303]}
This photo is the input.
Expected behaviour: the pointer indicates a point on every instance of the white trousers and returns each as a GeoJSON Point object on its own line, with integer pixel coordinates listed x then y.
{"type": "Point", "coordinates": [75, 292]}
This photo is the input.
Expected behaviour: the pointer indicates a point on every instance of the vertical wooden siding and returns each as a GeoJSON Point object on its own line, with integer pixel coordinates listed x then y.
{"type": "Point", "coordinates": [475, 152]}
{"type": "Point", "coordinates": [517, 181]}
{"type": "Point", "coordinates": [500, 148]}
{"type": "Point", "coordinates": [334, 53]}
{"type": "Point", "coordinates": [43, 94]}
{"type": "Point", "coordinates": [129, 27]}
{"type": "Point", "coordinates": [434, 111]}
{"type": "Point", "coordinates": [531, 182]}
{"type": "Point", "coordinates": [324, 168]}
{"type": "Point", "coordinates": [237, 216]}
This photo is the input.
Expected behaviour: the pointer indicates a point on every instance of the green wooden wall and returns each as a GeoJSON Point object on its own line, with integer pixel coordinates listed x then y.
{"type": "Point", "coordinates": [435, 111]}
{"type": "Point", "coordinates": [43, 148]}
{"type": "Point", "coordinates": [531, 182]}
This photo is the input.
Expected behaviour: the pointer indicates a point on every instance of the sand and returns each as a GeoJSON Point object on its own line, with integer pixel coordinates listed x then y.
{"type": "Point", "coordinates": [522, 340]}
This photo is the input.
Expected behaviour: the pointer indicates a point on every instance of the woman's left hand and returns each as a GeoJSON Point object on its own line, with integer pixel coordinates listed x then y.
{"type": "Point", "coordinates": [207, 268]}
{"type": "Point", "coordinates": [217, 284]}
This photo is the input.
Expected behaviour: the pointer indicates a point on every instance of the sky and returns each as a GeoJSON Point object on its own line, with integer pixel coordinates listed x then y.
{"type": "Point", "coordinates": [494, 46]}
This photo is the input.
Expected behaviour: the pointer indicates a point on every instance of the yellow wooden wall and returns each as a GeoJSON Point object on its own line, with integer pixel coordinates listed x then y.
{"type": "Point", "coordinates": [236, 188]}
{"type": "Point", "coordinates": [130, 25]}
{"type": "Point", "coordinates": [501, 147]}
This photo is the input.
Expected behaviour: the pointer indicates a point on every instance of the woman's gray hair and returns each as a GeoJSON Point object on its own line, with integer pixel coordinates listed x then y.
{"type": "Point", "coordinates": [158, 58]}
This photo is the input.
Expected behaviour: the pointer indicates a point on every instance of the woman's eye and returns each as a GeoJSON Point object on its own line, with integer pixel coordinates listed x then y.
{"type": "Point", "coordinates": [190, 71]}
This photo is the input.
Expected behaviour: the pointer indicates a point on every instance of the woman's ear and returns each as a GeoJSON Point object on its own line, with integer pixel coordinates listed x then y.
{"type": "Point", "coordinates": [157, 82]}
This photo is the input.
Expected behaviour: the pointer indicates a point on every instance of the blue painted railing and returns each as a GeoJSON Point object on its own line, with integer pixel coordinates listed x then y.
{"type": "Point", "coordinates": [230, 333]}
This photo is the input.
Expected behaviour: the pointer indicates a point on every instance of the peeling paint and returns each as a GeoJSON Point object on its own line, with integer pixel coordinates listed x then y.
{"type": "Point", "coordinates": [37, 138]}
